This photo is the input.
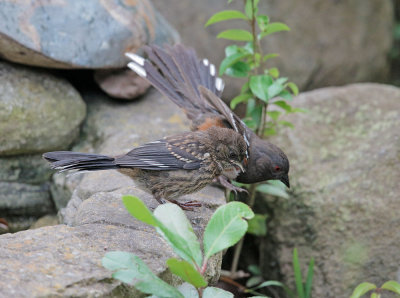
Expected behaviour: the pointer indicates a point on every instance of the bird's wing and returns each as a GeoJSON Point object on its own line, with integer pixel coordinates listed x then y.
{"type": "Point", "coordinates": [171, 153]}
{"type": "Point", "coordinates": [190, 83]}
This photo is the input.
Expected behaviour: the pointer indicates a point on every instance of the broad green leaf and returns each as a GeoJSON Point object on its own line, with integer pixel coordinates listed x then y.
{"type": "Point", "coordinates": [254, 269]}
{"type": "Point", "coordinates": [249, 47]}
{"type": "Point", "coordinates": [226, 227]}
{"type": "Point", "coordinates": [211, 292]}
{"type": "Point", "coordinates": [272, 28]}
{"type": "Point", "coordinates": [132, 270]}
{"type": "Point", "coordinates": [139, 210]}
{"type": "Point", "coordinates": [269, 56]}
{"type": "Point", "coordinates": [392, 285]}
{"type": "Point", "coordinates": [274, 115]}
{"type": "Point", "coordinates": [238, 70]}
{"type": "Point", "coordinates": [362, 288]}
{"type": "Point", "coordinates": [283, 105]}
{"type": "Point", "coordinates": [273, 189]}
{"type": "Point", "coordinates": [274, 72]}
{"type": "Point", "coordinates": [236, 34]}
{"type": "Point", "coordinates": [262, 21]}
{"type": "Point", "coordinates": [225, 15]}
{"type": "Point", "coordinates": [239, 99]}
{"type": "Point", "coordinates": [187, 272]}
{"type": "Point", "coordinates": [258, 225]}
{"type": "Point", "coordinates": [310, 274]}
{"type": "Point", "coordinates": [230, 60]}
{"type": "Point", "coordinates": [292, 86]}
{"type": "Point", "coordinates": [276, 87]}
{"type": "Point", "coordinates": [253, 281]}
{"type": "Point", "coordinates": [188, 290]}
{"type": "Point", "coordinates": [286, 95]}
{"type": "Point", "coordinates": [297, 274]}
{"type": "Point", "coordinates": [178, 232]}
{"type": "Point", "coordinates": [234, 49]}
{"type": "Point", "coordinates": [259, 86]}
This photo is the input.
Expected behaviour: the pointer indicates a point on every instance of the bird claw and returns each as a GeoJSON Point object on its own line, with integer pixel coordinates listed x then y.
{"type": "Point", "coordinates": [187, 205]}
{"type": "Point", "coordinates": [225, 182]}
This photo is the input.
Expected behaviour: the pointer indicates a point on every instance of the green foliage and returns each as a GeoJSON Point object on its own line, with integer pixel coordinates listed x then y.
{"type": "Point", "coordinates": [264, 86]}
{"type": "Point", "coordinates": [365, 287]}
{"type": "Point", "coordinates": [303, 290]}
{"type": "Point", "coordinates": [227, 225]}
{"type": "Point", "coordinates": [132, 270]}
{"type": "Point", "coordinates": [258, 225]}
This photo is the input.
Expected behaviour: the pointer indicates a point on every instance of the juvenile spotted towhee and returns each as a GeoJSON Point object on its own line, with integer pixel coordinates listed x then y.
{"type": "Point", "coordinates": [170, 167]}
{"type": "Point", "coordinates": [192, 85]}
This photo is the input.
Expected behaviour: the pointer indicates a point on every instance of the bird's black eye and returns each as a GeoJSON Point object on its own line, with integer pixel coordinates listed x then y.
{"type": "Point", "coordinates": [277, 168]}
{"type": "Point", "coordinates": [233, 155]}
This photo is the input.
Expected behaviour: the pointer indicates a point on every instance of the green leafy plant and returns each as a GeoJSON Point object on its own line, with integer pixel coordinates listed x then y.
{"type": "Point", "coordinates": [303, 289]}
{"type": "Point", "coordinates": [227, 225]}
{"type": "Point", "coordinates": [365, 287]}
{"type": "Point", "coordinates": [264, 88]}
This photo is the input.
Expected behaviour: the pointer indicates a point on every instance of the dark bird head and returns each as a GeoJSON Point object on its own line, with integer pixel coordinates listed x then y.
{"type": "Point", "coordinates": [229, 150]}
{"type": "Point", "coordinates": [266, 162]}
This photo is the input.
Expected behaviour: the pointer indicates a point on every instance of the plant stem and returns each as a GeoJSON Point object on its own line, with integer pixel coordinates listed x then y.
{"type": "Point", "coordinates": [260, 129]}
{"type": "Point", "coordinates": [239, 245]}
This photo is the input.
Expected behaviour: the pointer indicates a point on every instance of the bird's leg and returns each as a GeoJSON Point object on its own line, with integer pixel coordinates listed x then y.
{"type": "Point", "coordinates": [186, 205]}
{"type": "Point", "coordinates": [225, 182]}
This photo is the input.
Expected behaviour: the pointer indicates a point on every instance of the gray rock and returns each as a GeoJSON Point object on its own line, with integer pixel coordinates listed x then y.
{"type": "Point", "coordinates": [123, 84]}
{"type": "Point", "coordinates": [82, 34]}
{"type": "Point", "coordinates": [24, 169]}
{"type": "Point", "coordinates": [19, 199]}
{"type": "Point", "coordinates": [327, 44]}
{"type": "Point", "coordinates": [65, 261]}
{"type": "Point", "coordinates": [45, 221]}
{"type": "Point", "coordinates": [38, 112]}
{"type": "Point", "coordinates": [345, 173]}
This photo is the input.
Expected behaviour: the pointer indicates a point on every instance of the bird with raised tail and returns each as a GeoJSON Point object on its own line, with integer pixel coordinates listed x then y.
{"type": "Point", "coordinates": [192, 84]}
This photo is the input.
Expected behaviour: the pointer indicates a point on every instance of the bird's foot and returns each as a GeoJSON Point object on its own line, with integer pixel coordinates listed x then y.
{"type": "Point", "coordinates": [187, 205]}
{"type": "Point", "coordinates": [225, 182]}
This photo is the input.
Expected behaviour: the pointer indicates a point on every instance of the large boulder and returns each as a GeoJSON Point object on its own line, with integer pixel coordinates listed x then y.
{"type": "Point", "coordinates": [38, 111]}
{"type": "Point", "coordinates": [65, 260]}
{"type": "Point", "coordinates": [330, 42]}
{"type": "Point", "coordinates": [345, 173]}
{"type": "Point", "coordinates": [79, 34]}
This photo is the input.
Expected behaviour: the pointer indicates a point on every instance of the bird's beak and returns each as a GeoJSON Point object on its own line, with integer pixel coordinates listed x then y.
{"type": "Point", "coordinates": [285, 180]}
{"type": "Point", "coordinates": [239, 165]}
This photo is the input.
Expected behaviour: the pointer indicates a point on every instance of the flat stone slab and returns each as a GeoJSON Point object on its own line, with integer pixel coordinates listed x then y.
{"type": "Point", "coordinates": [65, 261]}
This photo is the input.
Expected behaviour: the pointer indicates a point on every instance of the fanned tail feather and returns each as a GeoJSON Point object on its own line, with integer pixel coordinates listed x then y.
{"type": "Point", "coordinates": [177, 73]}
{"type": "Point", "coordinates": [67, 160]}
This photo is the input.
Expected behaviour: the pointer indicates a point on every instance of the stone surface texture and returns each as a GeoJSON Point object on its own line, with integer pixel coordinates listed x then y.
{"type": "Point", "coordinates": [79, 34]}
{"type": "Point", "coordinates": [38, 111]}
{"type": "Point", "coordinates": [345, 173]}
